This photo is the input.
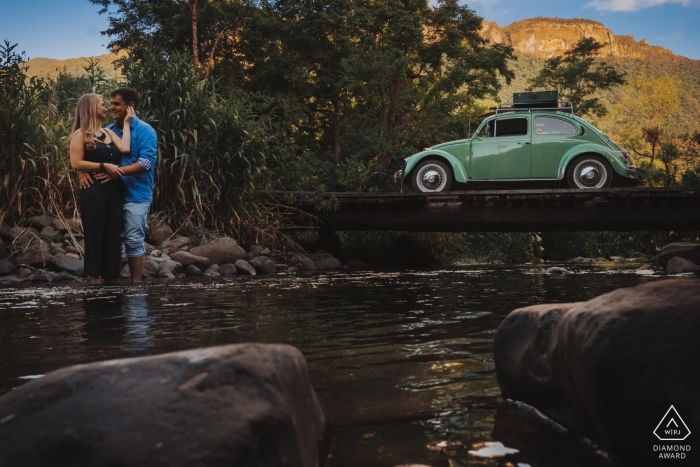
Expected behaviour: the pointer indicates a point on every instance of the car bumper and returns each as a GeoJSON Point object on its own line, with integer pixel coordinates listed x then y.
{"type": "Point", "coordinates": [398, 176]}
{"type": "Point", "coordinates": [637, 173]}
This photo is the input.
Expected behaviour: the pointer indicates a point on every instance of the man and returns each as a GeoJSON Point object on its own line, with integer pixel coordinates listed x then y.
{"type": "Point", "coordinates": [137, 167]}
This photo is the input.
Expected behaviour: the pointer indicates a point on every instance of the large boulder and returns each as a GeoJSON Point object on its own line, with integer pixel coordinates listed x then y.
{"type": "Point", "coordinates": [609, 368]}
{"type": "Point", "coordinates": [678, 265]}
{"type": "Point", "coordinates": [302, 261]}
{"type": "Point", "coordinates": [689, 251]}
{"type": "Point", "coordinates": [244, 405]}
{"type": "Point", "coordinates": [220, 251]}
{"type": "Point", "coordinates": [325, 261]}
{"type": "Point", "coordinates": [186, 258]}
{"type": "Point", "coordinates": [71, 265]}
{"type": "Point", "coordinates": [36, 254]}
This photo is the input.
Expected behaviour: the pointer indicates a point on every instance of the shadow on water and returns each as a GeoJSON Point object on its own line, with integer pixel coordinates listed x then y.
{"type": "Point", "coordinates": [402, 361]}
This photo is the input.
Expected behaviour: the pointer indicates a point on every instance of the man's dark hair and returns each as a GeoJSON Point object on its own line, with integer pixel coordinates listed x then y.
{"type": "Point", "coordinates": [128, 95]}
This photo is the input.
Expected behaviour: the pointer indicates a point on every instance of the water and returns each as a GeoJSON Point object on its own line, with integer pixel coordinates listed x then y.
{"type": "Point", "coordinates": [402, 362]}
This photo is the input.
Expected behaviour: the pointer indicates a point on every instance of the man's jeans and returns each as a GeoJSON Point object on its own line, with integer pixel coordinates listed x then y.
{"type": "Point", "coordinates": [134, 229]}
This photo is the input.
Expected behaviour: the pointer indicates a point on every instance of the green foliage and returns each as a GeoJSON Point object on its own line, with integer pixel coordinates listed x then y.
{"type": "Point", "coordinates": [577, 76]}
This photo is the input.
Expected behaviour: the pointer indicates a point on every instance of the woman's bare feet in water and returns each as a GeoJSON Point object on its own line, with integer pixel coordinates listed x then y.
{"type": "Point", "coordinates": [95, 281]}
{"type": "Point", "coordinates": [112, 281]}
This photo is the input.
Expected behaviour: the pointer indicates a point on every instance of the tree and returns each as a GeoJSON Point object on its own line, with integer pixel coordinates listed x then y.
{"type": "Point", "coordinates": [578, 75]}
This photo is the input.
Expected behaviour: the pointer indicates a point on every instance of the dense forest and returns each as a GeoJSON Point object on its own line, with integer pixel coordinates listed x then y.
{"type": "Point", "coordinates": [306, 96]}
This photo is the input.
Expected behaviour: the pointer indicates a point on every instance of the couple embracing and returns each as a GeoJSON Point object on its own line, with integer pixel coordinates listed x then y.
{"type": "Point", "coordinates": [116, 179]}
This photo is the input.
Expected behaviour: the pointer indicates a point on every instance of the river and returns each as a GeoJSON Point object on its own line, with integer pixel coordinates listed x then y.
{"type": "Point", "coordinates": [401, 361]}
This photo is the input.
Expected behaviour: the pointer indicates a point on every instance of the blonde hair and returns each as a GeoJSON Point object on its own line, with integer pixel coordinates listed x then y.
{"type": "Point", "coordinates": [86, 119]}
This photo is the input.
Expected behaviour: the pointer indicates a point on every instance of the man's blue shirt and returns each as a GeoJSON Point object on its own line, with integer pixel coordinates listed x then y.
{"type": "Point", "coordinates": [144, 142]}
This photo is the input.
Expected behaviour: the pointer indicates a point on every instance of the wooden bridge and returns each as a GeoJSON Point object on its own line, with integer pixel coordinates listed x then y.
{"type": "Point", "coordinates": [610, 209]}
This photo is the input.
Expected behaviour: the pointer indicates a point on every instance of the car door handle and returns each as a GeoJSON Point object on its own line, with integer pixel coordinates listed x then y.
{"type": "Point", "coordinates": [523, 142]}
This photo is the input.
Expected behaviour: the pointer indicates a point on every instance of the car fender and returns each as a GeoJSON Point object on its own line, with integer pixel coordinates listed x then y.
{"type": "Point", "coordinates": [458, 169]}
{"type": "Point", "coordinates": [591, 148]}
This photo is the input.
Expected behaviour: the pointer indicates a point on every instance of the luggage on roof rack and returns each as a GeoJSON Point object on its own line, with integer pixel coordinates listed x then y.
{"type": "Point", "coordinates": [536, 100]}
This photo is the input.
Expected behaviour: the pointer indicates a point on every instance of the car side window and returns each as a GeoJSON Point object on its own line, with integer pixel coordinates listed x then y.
{"type": "Point", "coordinates": [554, 126]}
{"type": "Point", "coordinates": [486, 131]}
{"type": "Point", "coordinates": [511, 127]}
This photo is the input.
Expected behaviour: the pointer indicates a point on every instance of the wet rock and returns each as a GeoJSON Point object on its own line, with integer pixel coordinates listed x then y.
{"type": "Point", "coordinates": [159, 260]}
{"type": "Point", "coordinates": [64, 277]}
{"type": "Point", "coordinates": [220, 251]}
{"type": "Point", "coordinates": [185, 248]}
{"type": "Point", "coordinates": [557, 271]}
{"type": "Point", "coordinates": [608, 368]}
{"type": "Point", "coordinates": [39, 222]}
{"type": "Point", "coordinates": [36, 254]}
{"type": "Point", "coordinates": [5, 231]}
{"type": "Point", "coordinates": [192, 270]}
{"type": "Point", "coordinates": [125, 273]}
{"type": "Point", "coordinates": [268, 267]}
{"type": "Point", "coordinates": [157, 232]}
{"type": "Point", "coordinates": [249, 257]}
{"type": "Point", "coordinates": [42, 276]}
{"type": "Point", "coordinates": [71, 265]}
{"type": "Point", "coordinates": [325, 261]}
{"type": "Point", "coordinates": [303, 262]}
{"type": "Point", "coordinates": [73, 255]}
{"type": "Point", "coordinates": [49, 235]}
{"type": "Point", "coordinates": [243, 267]}
{"type": "Point", "coordinates": [255, 250]}
{"type": "Point", "coordinates": [212, 270]}
{"type": "Point", "coordinates": [637, 259]}
{"type": "Point", "coordinates": [228, 270]}
{"type": "Point", "coordinates": [174, 243]}
{"type": "Point", "coordinates": [356, 264]}
{"type": "Point", "coordinates": [689, 251]}
{"type": "Point", "coordinates": [71, 249]}
{"type": "Point", "coordinates": [156, 254]}
{"type": "Point", "coordinates": [678, 265]}
{"type": "Point", "coordinates": [186, 258]}
{"type": "Point", "coordinates": [22, 236]}
{"type": "Point", "coordinates": [152, 267]}
{"type": "Point", "coordinates": [645, 270]}
{"type": "Point", "coordinates": [10, 280]}
{"type": "Point", "coordinates": [237, 405]}
{"type": "Point", "coordinates": [6, 267]}
{"type": "Point", "coordinates": [638, 254]}
{"type": "Point", "coordinates": [292, 270]}
{"type": "Point", "coordinates": [617, 258]}
{"type": "Point", "coordinates": [169, 268]}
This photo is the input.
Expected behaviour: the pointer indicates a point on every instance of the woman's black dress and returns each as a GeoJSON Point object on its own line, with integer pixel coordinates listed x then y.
{"type": "Point", "coordinates": [101, 212]}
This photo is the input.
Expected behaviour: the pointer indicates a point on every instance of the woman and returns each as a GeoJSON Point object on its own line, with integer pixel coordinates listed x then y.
{"type": "Point", "coordinates": [96, 149]}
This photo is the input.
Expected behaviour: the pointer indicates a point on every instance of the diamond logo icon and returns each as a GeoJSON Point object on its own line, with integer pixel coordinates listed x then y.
{"type": "Point", "coordinates": [672, 427]}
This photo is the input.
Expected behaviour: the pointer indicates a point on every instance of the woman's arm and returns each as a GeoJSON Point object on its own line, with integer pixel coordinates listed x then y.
{"type": "Point", "coordinates": [78, 162]}
{"type": "Point", "coordinates": [123, 143]}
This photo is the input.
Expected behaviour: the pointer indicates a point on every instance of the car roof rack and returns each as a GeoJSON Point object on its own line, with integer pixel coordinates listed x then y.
{"type": "Point", "coordinates": [561, 106]}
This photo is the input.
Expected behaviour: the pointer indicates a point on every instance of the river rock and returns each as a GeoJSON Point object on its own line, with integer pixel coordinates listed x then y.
{"type": "Point", "coordinates": [49, 235]}
{"type": "Point", "coordinates": [645, 270]}
{"type": "Point", "coordinates": [186, 258]}
{"type": "Point", "coordinates": [22, 236]}
{"type": "Point", "coordinates": [157, 232]}
{"type": "Point", "coordinates": [212, 270]}
{"type": "Point", "coordinates": [10, 280]}
{"type": "Point", "coordinates": [36, 254]}
{"type": "Point", "coordinates": [609, 368]}
{"type": "Point", "coordinates": [4, 249]}
{"type": "Point", "coordinates": [678, 265]}
{"type": "Point", "coordinates": [6, 267]}
{"type": "Point", "coordinates": [39, 222]}
{"type": "Point", "coordinates": [169, 268]}
{"type": "Point", "coordinates": [174, 244]}
{"type": "Point", "coordinates": [151, 266]}
{"type": "Point", "coordinates": [71, 265]}
{"type": "Point", "coordinates": [325, 261]}
{"type": "Point", "coordinates": [64, 277]}
{"type": "Point", "coordinates": [228, 270]}
{"type": "Point", "coordinates": [5, 231]}
{"type": "Point", "coordinates": [42, 276]}
{"type": "Point", "coordinates": [689, 251]}
{"type": "Point", "coordinates": [192, 270]}
{"type": "Point", "coordinates": [302, 261]}
{"type": "Point", "coordinates": [256, 250]}
{"type": "Point", "coordinates": [236, 405]}
{"type": "Point", "coordinates": [220, 251]}
{"type": "Point", "coordinates": [557, 271]}
{"type": "Point", "coordinates": [617, 258]}
{"type": "Point", "coordinates": [244, 267]}
{"type": "Point", "coordinates": [268, 266]}
{"type": "Point", "coordinates": [23, 271]}
{"type": "Point", "coordinates": [125, 273]}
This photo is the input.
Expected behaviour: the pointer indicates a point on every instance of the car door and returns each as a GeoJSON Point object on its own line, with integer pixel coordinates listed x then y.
{"type": "Point", "coordinates": [552, 137]}
{"type": "Point", "coordinates": [501, 150]}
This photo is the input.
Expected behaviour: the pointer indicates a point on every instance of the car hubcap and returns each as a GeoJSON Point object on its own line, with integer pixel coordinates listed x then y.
{"type": "Point", "coordinates": [591, 174]}
{"type": "Point", "coordinates": [432, 178]}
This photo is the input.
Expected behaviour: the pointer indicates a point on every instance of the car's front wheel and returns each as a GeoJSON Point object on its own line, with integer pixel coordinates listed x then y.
{"type": "Point", "coordinates": [431, 176]}
{"type": "Point", "coordinates": [589, 171]}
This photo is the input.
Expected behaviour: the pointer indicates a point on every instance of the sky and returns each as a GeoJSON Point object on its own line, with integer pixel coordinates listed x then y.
{"type": "Point", "coordinates": [71, 28]}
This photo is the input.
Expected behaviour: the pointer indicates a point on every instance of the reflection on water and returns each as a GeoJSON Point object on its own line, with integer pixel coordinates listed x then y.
{"type": "Point", "coordinates": [402, 362]}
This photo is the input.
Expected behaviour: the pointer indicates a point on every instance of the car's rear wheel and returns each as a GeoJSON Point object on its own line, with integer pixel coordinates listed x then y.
{"type": "Point", "coordinates": [431, 176]}
{"type": "Point", "coordinates": [590, 171]}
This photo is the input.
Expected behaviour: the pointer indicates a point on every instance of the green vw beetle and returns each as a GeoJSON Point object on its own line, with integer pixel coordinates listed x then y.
{"type": "Point", "coordinates": [532, 140]}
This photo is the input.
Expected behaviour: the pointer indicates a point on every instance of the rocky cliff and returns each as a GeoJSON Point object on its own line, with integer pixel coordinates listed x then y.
{"type": "Point", "coordinates": [549, 37]}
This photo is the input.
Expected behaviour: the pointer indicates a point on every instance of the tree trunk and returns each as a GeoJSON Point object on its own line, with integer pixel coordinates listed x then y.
{"type": "Point", "coordinates": [195, 42]}
{"type": "Point", "coordinates": [394, 96]}
{"type": "Point", "coordinates": [336, 126]}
